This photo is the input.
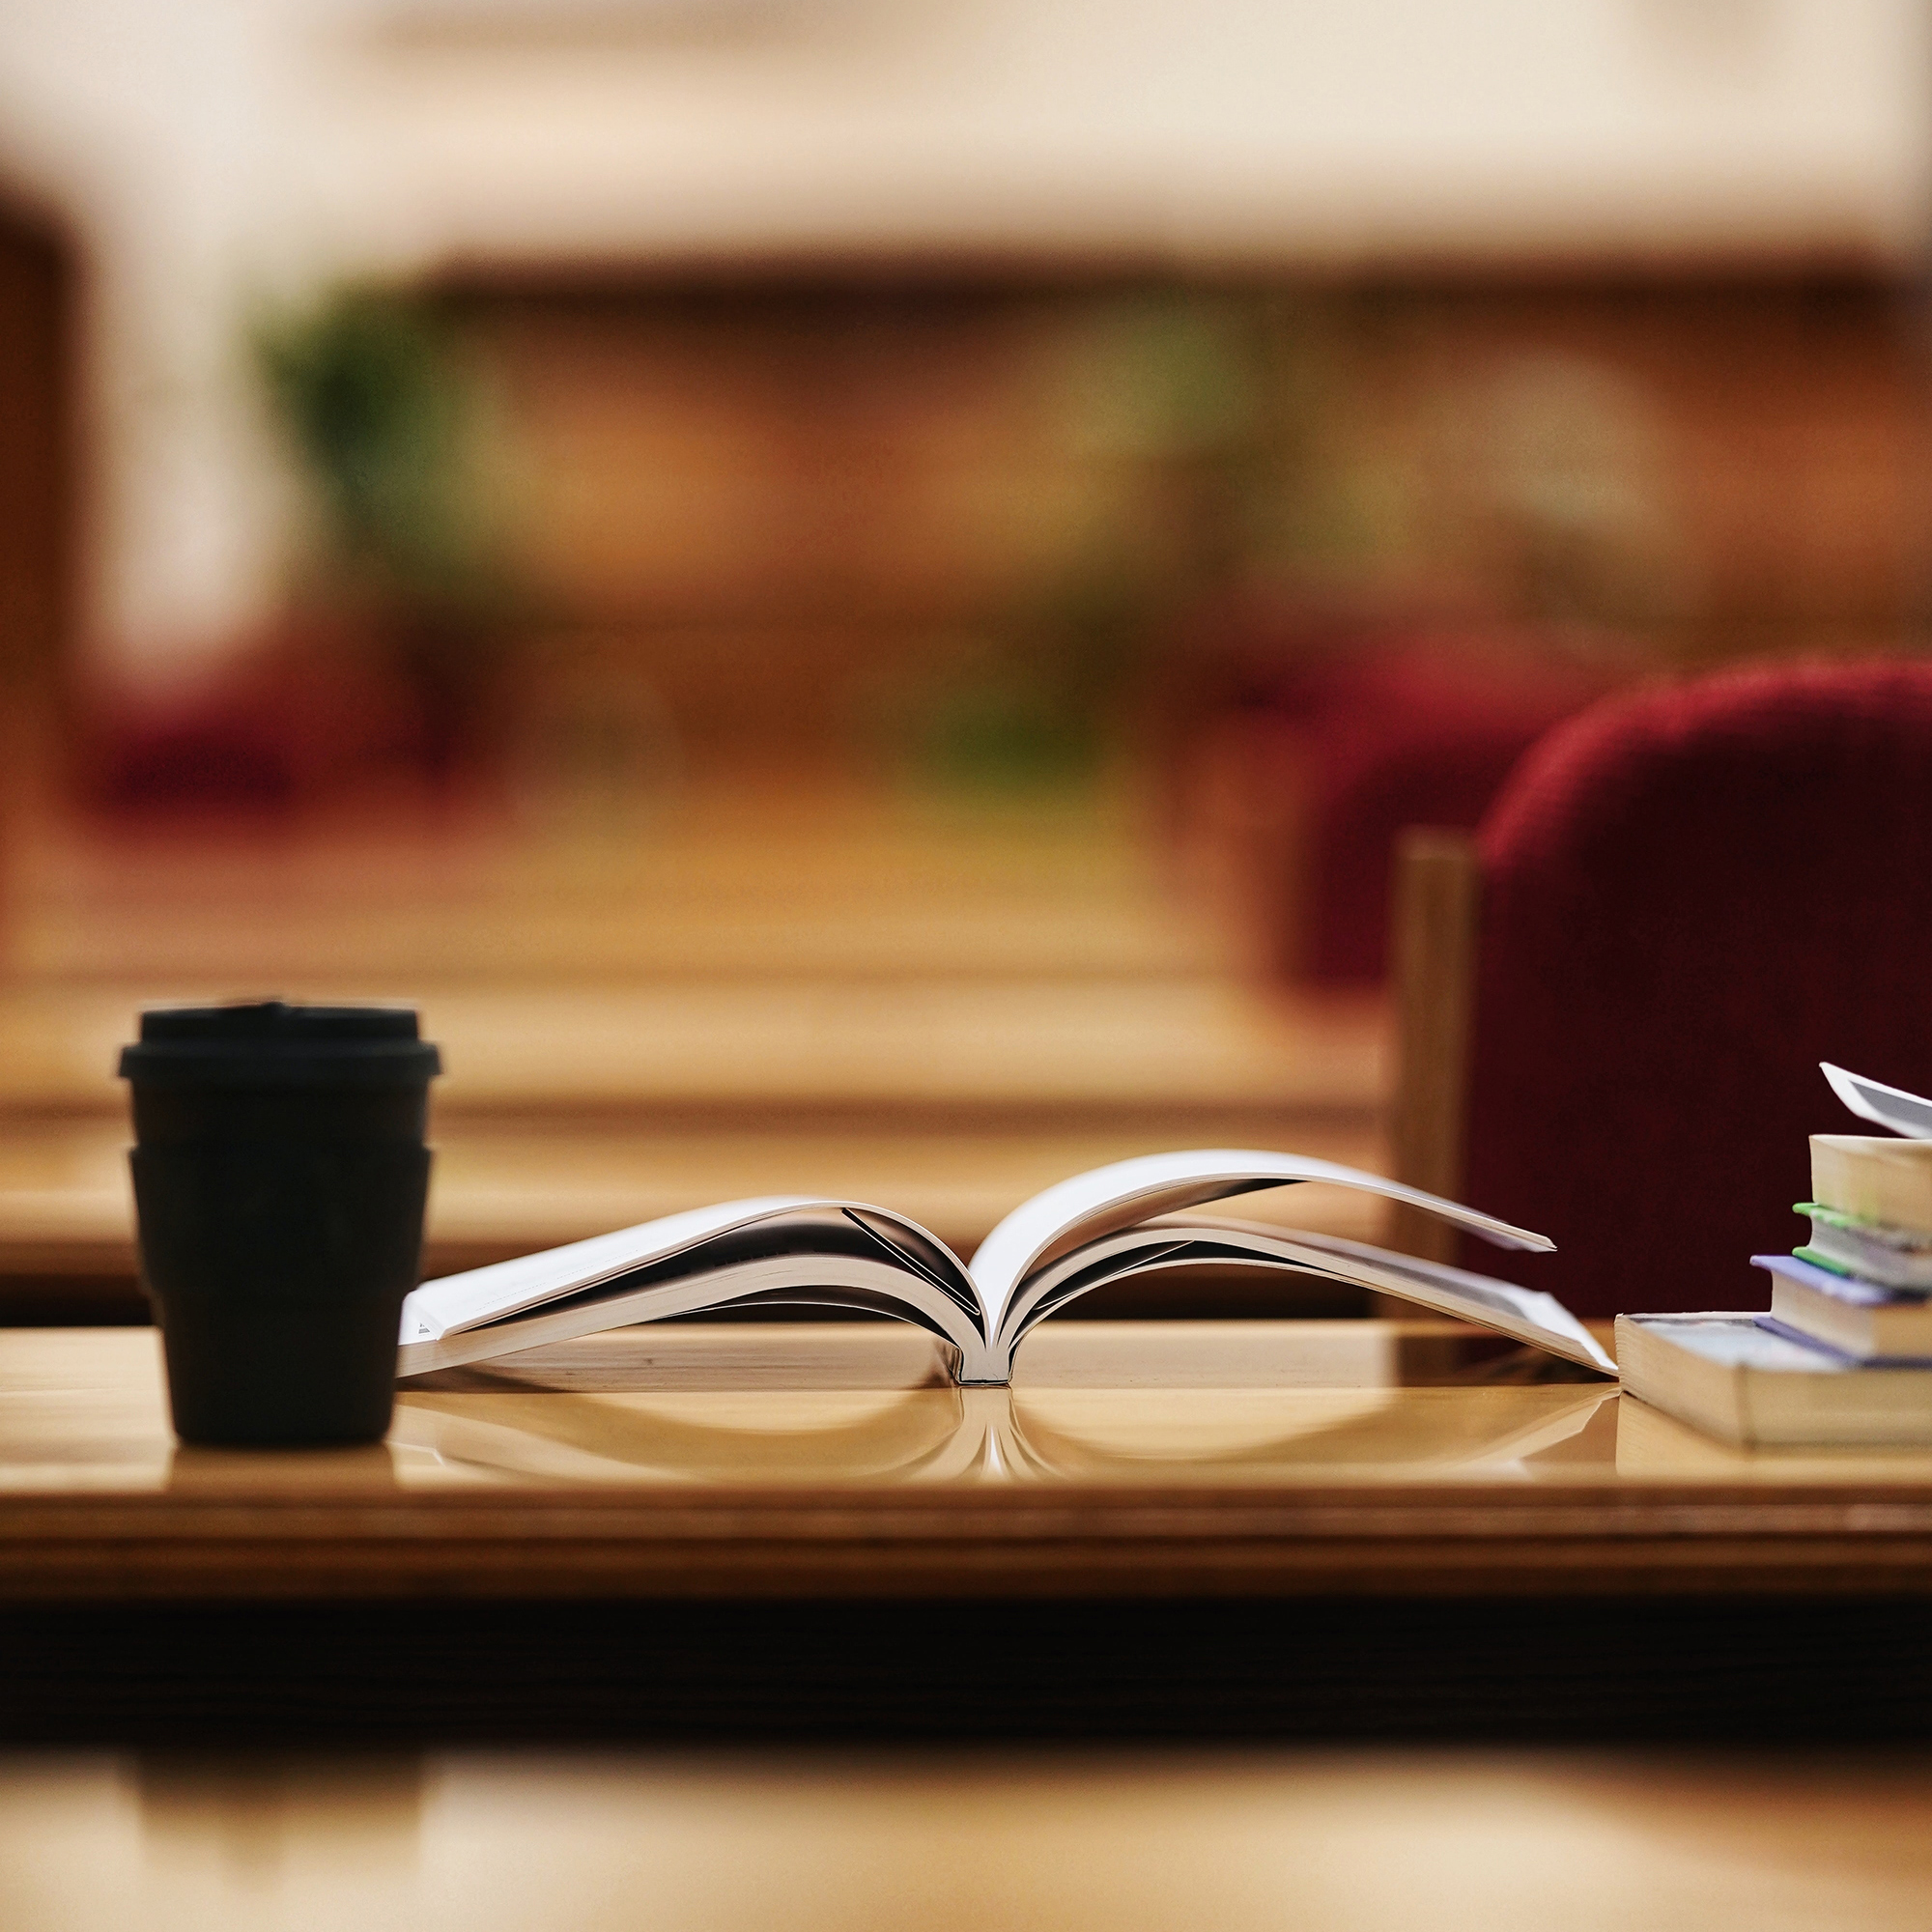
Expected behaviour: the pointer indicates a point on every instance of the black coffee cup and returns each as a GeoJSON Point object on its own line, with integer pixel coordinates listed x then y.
{"type": "Point", "coordinates": [279, 1178]}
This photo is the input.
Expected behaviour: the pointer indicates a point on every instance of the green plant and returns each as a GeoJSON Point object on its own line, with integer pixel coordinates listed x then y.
{"type": "Point", "coordinates": [373, 396]}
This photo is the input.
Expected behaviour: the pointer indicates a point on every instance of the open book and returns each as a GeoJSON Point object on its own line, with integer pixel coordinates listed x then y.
{"type": "Point", "coordinates": [1127, 1219]}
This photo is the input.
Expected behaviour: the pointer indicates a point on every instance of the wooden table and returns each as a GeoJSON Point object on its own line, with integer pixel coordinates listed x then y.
{"type": "Point", "coordinates": [1193, 1056]}
{"type": "Point", "coordinates": [1303, 1527]}
{"type": "Point", "coordinates": [503, 1187]}
{"type": "Point", "coordinates": [1114, 1840]}
{"type": "Point", "coordinates": [748, 873]}
{"type": "Point", "coordinates": [796, 991]}
{"type": "Point", "coordinates": [567, 1112]}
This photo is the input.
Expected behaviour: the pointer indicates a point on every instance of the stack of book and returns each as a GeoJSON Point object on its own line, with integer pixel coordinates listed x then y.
{"type": "Point", "coordinates": [1844, 1355]}
{"type": "Point", "coordinates": [1862, 1285]}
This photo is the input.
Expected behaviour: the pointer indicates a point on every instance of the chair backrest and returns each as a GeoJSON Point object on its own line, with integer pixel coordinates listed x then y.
{"type": "Point", "coordinates": [1423, 731]}
{"type": "Point", "coordinates": [1433, 924]}
{"type": "Point", "coordinates": [1689, 898]}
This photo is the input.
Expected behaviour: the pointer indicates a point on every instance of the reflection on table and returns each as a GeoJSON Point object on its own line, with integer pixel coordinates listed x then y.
{"type": "Point", "coordinates": [826, 1404]}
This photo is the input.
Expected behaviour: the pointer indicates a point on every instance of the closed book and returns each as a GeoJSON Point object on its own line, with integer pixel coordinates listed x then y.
{"type": "Point", "coordinates": [1860, 1318]}
{"type": "Point", "coordinates": [1893, 1257]}
{"type": "Point", "coordinates": [1724, 1374]}
{"type": "Point", "coordinates": [1873, 1178]}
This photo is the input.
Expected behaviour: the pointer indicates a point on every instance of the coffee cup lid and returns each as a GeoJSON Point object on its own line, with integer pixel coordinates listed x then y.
{"type": "Point", "coordinates": [271, 1044]}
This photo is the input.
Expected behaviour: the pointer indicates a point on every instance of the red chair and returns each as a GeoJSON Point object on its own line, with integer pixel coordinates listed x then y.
{"type": "Point", "coordinates": [1321, 762]}
{"type": "Point", "coordinates": [1414, 738]}
{"type": "Point", "coordinates": [1687, 898]}
{"type": "Point", "coordinates": [304, 718]}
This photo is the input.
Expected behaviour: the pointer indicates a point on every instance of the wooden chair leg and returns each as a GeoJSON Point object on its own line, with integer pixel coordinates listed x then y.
{"type": "Point", "coordinates": [1433, 927]}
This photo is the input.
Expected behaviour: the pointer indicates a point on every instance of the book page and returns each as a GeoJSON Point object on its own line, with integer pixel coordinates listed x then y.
{"type": "Point", "coordinates": [1904, 1114]}
{"type": "Point", "coordinates": [1524, 1315]}
{"type": "Point", "coordinates": [856, 1280]}
{"type": "Point", "coordinates": [454, 1301]}
{"type": "Point", "coordinates": [1127, 1192]}
{"type": "Point", "coordinates": [502, 1289]}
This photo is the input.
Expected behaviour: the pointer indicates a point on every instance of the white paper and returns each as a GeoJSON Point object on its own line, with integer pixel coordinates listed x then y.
{"type": "Point", "coordinates": [455, 1301]}
{"type": "Point", "coordinates": [502, 1289]}
{"type": "Point", "coordinates": [1893, 1107]}
{"type": "Point", "coordinates": [1131, 1191]}
{"type": "Point", "coordinates": [1526, 1315]}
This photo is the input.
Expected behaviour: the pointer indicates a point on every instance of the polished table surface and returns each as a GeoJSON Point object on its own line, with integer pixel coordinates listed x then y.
{"type": "Point", "coordinates": [947, 1840]}
{"type": "Point", "coordinates": [1141, 1461]}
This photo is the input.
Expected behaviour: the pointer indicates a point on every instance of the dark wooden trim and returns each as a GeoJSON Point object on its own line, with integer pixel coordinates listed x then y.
{"type": "Point", "coordinates": [1435, 1542]}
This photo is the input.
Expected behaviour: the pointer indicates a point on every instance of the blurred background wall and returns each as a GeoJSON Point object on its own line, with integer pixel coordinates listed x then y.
{"type": "Point", "coordinates": [853, 596]}
{"type": "Point", "coordinates": [210, 161]}
{"type": "Point", "coordinates": [533, 398]}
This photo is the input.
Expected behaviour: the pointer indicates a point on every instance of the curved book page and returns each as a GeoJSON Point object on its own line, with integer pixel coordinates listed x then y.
{"type": "Point", "coordinates": [879, 1286]}
{"type": "Point", "coordinates": [502, 1289]}
{"type": "Point", "coordinates": [1893, 1107]}
{"type": "Point", "coordinates": [1525, 1314]}
{"type": "Point", "coordinates": [1132, 1192]}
